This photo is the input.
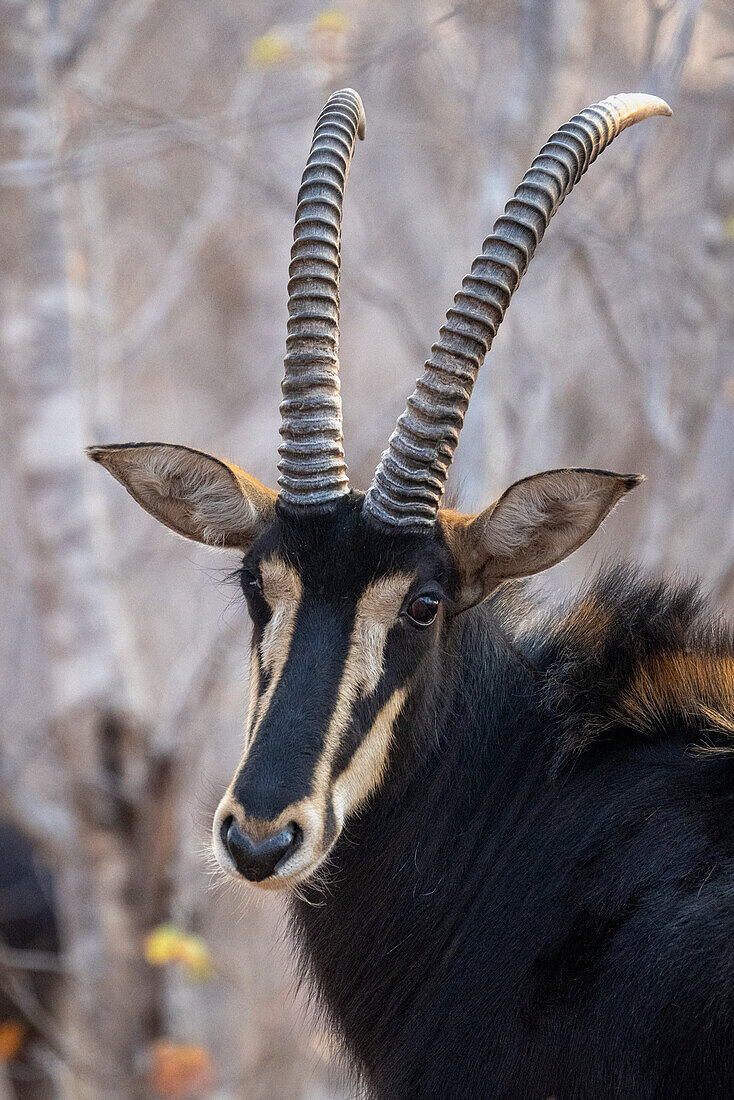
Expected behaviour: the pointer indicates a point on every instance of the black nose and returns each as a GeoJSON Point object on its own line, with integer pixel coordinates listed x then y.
{"type": "Point", "coordinates": [257, 859]}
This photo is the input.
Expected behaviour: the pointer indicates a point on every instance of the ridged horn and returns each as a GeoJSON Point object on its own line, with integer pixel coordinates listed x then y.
{"type": "Point", "coordinates": [313, 472]}
{"type": "Point", "coordinates": [408, 485]}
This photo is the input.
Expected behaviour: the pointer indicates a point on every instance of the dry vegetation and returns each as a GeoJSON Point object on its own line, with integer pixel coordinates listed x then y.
{"type": "Point", "coordinates": [150, 155]}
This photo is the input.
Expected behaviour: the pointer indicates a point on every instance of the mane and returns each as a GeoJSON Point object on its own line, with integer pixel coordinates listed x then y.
{"type": "Point", "coordinates": [633, 658]}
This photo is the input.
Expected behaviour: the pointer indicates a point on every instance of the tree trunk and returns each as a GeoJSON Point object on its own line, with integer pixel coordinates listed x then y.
{"type": "Point", "coordinates": [113, 886]}
{"type": "Point", "coordinates": [117, 798]}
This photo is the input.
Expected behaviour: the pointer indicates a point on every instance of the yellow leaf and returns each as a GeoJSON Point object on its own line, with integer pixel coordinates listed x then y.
{"type": "Point", "coordinates": [12, 1034]}
{"type": "Point", "coordinates": [729, 227]}
{"type": "Point", "coordinates": [270, 49]}
{"type": "Point", "coordinates": [162, 945]}
{"type": "Point", "coordinates": [196, 957]}
{"type": "Point", "coordinates": [335, 21]}
{"type": "Point", "coordinates": [168, 944]}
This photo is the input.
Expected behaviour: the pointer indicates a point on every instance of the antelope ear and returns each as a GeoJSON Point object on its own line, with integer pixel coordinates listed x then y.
{"type": "Point", "coordinates": [536, 523]}
{"type": "Point", "coordinates": [196, 495]}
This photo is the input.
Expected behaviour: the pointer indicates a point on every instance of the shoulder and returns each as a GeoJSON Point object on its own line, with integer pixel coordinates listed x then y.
{"type": "Point", "coordinates": [634, 657]}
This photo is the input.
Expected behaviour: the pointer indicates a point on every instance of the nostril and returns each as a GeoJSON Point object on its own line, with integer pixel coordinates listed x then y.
{"type": "Point", "coordinates": [224, 829]}
{"type": "Point", "coordinates": [296, 837]}
{"type": "Point", "coordinates": [257, 859]}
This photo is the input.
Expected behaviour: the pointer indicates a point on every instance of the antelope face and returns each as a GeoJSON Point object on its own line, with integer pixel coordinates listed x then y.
{"type": "Point", "coordinates": [345, 622]}
{"type": "Point", "coordinates": [349, 629]}
{"type": "Point", "coordinates": [351, 596]}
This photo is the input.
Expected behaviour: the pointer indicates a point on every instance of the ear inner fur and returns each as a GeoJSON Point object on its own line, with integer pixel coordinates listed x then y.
{"type": "Point", "coordinates": [193, 493]}
{"type": "Point", "coordinates": [536, 523]}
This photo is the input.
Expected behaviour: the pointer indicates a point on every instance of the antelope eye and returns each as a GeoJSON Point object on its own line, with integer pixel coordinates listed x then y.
{"type": "Point", "coordinates": [423, 610]}
{"type": "Point", "coordinates": [251, 581]}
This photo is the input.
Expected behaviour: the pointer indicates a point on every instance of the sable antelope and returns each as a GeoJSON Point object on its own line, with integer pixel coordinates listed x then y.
{"type": "Point", "coordinates": [507, 832]}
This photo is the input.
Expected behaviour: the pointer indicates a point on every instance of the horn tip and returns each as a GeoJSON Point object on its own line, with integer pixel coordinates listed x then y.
{"type": "Point", "coordinates": [650, 105]}
{"type": "Point", "coordinates": [658, 106]}
{"type": "Point", "coordinates": [362, 121]}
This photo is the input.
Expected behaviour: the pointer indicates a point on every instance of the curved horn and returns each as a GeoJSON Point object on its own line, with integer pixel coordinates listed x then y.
{"type": "Point", "coordinates": [409, 482]}
{"type": "Point", "coordinates": [312, 467]}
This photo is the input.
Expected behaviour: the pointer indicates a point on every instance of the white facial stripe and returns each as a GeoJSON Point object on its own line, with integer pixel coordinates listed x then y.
{"type": "Point", "coordinates": [253, 696]}
{"type": "Point", "coordinates": [283, 591]}
{"type": "Point", "coordinates": [377, 611]}
{"type": "Point", "coordinates": [280, 581]}
{"type": "Point", "coordinates": [271, 642]}
{"type": "Point", "coordinates": [367, 766]}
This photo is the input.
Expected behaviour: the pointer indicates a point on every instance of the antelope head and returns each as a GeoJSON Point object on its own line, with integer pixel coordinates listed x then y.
{"type": "Point", "coordinates": [353, 596]}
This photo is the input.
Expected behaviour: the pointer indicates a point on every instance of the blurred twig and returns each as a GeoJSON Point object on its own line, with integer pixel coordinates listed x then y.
{"type": "Point", "coordinates": [605, 307]}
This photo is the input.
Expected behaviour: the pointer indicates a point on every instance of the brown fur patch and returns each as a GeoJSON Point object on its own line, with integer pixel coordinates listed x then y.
{"type": "Point", "coordinates": [587, 623]}
{"type": "Point", "coordinates": [696, 685]}
{"type": "Point", "coordinates": [465, 552]}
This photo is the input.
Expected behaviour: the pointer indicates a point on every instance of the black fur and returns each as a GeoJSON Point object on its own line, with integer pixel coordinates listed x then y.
{"type": "Point", "coordinates": [539, 901]}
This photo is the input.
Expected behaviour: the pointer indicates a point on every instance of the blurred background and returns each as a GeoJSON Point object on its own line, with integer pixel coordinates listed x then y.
{"type": "Point", "coordinates": [150, 156]}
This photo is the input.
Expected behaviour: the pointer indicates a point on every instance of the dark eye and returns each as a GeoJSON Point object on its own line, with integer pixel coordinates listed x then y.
{"type": "Point", "coordinates": [251, 582]}
{"type": "Point", "coordinates": [423, 610]}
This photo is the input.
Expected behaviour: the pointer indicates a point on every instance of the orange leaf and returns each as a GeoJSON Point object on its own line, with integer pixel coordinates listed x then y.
{"type": "Point", "coordinates": [180, 1071]}
{"type": "Point", "coordinates": [12, 1034]}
